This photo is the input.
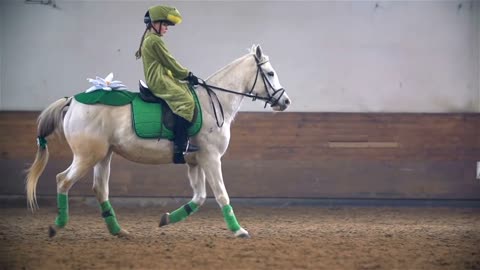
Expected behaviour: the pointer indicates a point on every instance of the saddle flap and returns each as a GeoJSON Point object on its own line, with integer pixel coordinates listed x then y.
{"type": "Point", "coordinates": [146, 94]}
{"type": "Point", "coordinates": [152, 118]}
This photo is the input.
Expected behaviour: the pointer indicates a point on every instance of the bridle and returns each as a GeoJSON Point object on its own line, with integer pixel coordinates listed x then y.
{"type": "Point", "coordinates": [269, 99]}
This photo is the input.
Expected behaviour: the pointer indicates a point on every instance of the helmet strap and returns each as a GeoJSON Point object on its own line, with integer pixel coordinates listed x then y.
{"type": "Point", "coordinates": [154, 29]}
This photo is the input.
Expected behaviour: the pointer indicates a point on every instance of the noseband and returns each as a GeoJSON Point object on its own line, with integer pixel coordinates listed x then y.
{"type": "Point", "coordinates": [269, 99]}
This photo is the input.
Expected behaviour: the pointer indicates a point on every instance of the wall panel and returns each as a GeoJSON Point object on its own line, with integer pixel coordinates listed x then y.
{"type": "Point", "coordinates": [301, 155]}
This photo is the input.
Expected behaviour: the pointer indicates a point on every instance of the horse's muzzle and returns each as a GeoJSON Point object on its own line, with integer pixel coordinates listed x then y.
{"type": "Point", "coordinates": [282, 104]}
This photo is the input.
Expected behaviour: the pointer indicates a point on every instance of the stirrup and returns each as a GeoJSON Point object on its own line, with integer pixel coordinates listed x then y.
{"type": "Point", "coordinates": [190, 148]}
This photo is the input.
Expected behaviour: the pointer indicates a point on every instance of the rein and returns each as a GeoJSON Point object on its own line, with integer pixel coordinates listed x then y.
{"type": "Point", "coordinates": [269, 99]}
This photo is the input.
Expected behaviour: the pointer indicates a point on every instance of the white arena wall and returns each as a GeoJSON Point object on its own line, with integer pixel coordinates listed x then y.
{"type": "Point", "coordinates": [386, 96]}
{"type": "Point", "coordinates": [346, 56]}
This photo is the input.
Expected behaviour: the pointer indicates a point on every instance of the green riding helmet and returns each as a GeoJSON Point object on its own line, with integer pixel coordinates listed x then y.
{"type": "Point", "coordinates": [162, 13]}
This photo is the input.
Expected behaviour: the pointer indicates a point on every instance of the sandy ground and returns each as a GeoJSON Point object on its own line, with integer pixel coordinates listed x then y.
{"type": "Point", "coordinates": [282, 238]}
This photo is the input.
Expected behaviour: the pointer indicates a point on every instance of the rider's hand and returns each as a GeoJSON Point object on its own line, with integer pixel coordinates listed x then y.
{"type": "Point", "coordinates": [192, 79]}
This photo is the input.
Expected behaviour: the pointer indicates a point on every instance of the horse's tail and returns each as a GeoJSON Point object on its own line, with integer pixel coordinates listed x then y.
{"type": "Point", "coordinates": [49, 121]}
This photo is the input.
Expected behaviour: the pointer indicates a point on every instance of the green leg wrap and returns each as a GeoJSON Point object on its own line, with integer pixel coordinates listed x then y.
{"type": "Point", "coordinates": [62, 204]}
{"type": "Point", "coordinates": [183, 212]}
{"type": "Point", "coordinates": [230, 219]}
{"type": "Point", "coordinates": [109, 215]}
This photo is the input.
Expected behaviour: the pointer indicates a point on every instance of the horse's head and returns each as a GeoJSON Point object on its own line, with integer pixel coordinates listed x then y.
{"type": "Point", "coordinates": [267, 83]}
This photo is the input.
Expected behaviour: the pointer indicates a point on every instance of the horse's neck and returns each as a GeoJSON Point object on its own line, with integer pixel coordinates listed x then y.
{"type": "Point", "coordinates": [237, 76]}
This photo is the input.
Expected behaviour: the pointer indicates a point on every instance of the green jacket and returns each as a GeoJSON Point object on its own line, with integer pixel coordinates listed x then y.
{"type": "Point", "coordinates": [163, 74]}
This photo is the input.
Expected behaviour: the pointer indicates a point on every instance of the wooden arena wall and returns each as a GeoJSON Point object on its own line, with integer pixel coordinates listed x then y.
{"type": "Point", "coordinates": [289, 155]}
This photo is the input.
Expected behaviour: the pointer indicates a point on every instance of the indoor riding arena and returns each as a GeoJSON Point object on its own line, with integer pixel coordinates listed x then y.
{"type": "Point", "coordinates": [360, 150]}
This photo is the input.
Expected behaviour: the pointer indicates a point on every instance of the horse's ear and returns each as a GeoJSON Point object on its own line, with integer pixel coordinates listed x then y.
{"type": "Point", "coordinates": [258, 52]}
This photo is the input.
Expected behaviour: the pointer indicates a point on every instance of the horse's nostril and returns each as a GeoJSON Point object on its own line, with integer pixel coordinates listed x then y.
{"type": "Point", "coordinates": [287, 101]}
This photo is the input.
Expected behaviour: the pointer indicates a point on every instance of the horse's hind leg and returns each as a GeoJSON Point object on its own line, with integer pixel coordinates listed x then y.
{"type": "Point", "coordinates": [101, 176]}
{"type": "Point", "coordinates": [197, 181]}
{"type": "Point", "coordinates": [65, 180]}
{"type": "Point", "coordinates": [86, 153]}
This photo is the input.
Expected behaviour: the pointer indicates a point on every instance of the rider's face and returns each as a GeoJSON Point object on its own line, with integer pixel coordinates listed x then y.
{"type": "Point", "coordinates": [161, 27]}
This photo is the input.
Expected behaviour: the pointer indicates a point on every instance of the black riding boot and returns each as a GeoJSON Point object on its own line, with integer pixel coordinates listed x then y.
{"type": "Point", "coordinates": [181, 143]}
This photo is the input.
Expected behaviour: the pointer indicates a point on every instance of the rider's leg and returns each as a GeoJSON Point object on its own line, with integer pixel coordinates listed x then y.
{"type": "Point", "coordinates": [181, 141]}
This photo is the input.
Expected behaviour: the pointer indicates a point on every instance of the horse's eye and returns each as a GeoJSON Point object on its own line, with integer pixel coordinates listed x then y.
{"type": "Point", "coordinates": [271, 73]}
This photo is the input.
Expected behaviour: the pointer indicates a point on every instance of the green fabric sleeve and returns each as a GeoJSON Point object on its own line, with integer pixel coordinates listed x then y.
{"type": "Point", "coordinates": [62, 216]}
{"type": "Point", "coordinates": [110, 219]}
{"type": "Point", "coordinates": [230, 219]}
{"type": "Point", "coordinates": [183, 212]}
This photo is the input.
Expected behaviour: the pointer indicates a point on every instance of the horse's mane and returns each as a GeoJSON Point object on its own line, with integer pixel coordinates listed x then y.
{"type": "Point", "coordinates": [251, 52]}
{"type": "Point", "coordinates": [236, 61]}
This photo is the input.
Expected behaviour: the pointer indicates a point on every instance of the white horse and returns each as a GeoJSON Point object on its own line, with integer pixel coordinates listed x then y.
{"type": "Point", "coordinates": [95, 132]}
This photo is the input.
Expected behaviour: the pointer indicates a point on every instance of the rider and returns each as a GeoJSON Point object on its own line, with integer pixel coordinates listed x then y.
{"type": "Point", "coordinates": [164, 75]}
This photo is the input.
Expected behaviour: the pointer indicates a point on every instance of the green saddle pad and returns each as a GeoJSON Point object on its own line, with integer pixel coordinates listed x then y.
{"type": "Point", "coordinates": [155, 120]}
{"type": "Point", "coordinates": [150, 120]}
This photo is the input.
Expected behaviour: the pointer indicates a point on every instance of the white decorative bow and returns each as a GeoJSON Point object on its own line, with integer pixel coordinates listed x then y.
{"type": "Point", "coordinates": [105, 84]}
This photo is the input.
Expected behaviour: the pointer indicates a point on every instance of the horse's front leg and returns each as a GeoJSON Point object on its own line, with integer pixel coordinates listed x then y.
{"type": "Point", "coordinates": [197, 181]}
{"type": "Point", "coordinates": [213, 170]}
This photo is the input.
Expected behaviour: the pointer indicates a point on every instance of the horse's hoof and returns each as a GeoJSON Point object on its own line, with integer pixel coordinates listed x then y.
{"type": "Point", "coordinates": [242, 233]}
{"type": "Point", "coordinates": [52, 231]}
{"type": "Point", "coordinates": [123, 234]}
{"type": "Point", "coordinates": [165, 220]}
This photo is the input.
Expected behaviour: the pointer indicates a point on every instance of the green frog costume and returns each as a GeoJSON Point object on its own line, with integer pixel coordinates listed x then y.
{"type": "Point", "coordinates": [165, 76]}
